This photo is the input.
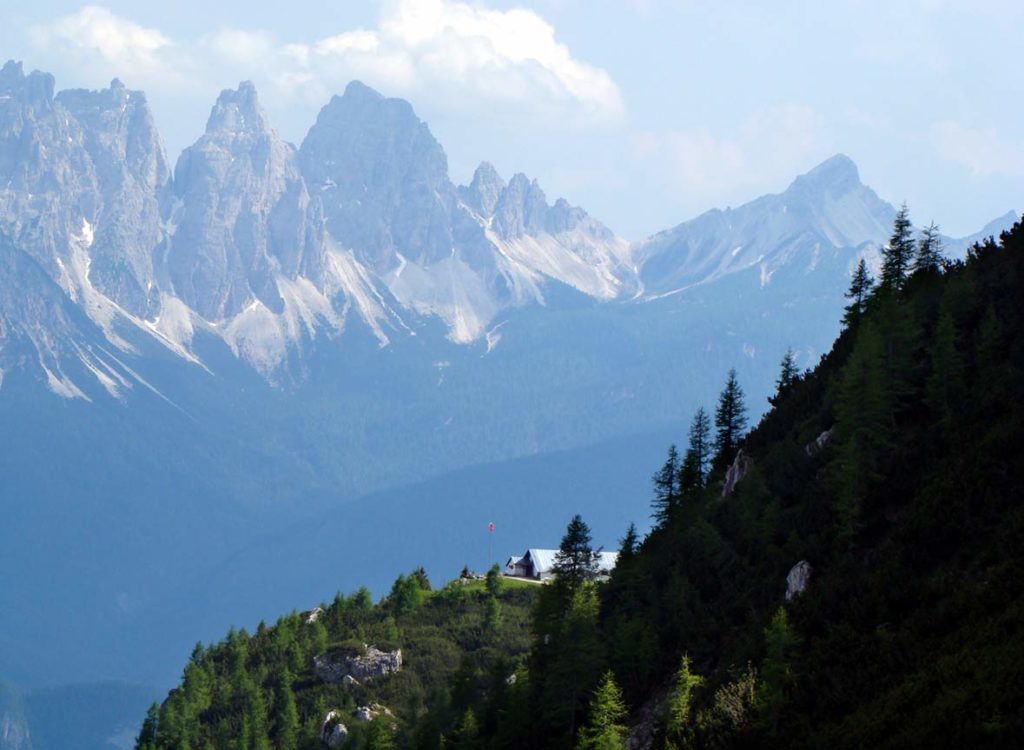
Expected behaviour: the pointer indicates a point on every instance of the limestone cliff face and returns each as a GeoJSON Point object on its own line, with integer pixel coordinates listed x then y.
{"type": "Point", "coordinates": [131, 175]}
{"type": "Point", "coordinates": [243, 216]}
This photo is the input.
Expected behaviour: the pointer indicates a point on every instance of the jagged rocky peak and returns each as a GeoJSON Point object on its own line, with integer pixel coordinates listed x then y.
{"type": "Point", "coordinates": [482, 194]}
{"type": "Point", "coordinates": [382, 177]}
{"type": "Point", "coordinates": [35, 89]}
{"type": "Point", "coordinates": [130, 163]}
{"type": "Point", "coordinates": [521, 209]}
{"type": "Point", "coordinates": [237, 114]}
{"type": "Point", "coordinates": [120, 132]}
{"type": "Point", "coordinates": [244, 215]}
{"type": "Point", "coordinates": [49, 185]}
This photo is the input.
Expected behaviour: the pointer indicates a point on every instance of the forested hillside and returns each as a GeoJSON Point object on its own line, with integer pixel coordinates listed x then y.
{"type": "Point", "coordinates": [848, 574]}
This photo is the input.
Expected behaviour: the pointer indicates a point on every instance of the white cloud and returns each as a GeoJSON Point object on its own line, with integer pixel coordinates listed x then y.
{"type": "Point", "coordinates": [463, 55]}
{"type": "Point", "coordinates": [983, 151]}
{"type": "Point", "coordinates": [95, 32]}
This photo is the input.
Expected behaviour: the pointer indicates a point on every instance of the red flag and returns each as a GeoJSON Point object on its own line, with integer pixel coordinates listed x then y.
{"type": "Point", "coordinates": [490, 527]}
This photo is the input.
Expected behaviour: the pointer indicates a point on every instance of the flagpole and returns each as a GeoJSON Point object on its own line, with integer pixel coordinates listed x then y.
{"type": "Point", "coordinates": [490, 545]}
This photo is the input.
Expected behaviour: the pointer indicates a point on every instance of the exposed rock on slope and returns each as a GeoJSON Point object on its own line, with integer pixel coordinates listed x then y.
{"type": "Point", "coordinates": [334, 667]}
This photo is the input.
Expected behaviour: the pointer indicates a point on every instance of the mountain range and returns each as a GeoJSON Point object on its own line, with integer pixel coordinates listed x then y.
{"type": "Point", "coordinates": [238, 382]}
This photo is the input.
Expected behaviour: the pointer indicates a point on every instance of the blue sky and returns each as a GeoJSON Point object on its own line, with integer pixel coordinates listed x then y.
{"type": "Point", "coordinates": [645, 112]}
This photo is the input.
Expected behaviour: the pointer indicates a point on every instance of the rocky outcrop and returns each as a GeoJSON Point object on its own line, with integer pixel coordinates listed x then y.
{"type": "Point", "coordinates": [797, 579]}
{"type": "Point", "coordinates": [741, 465]}
{"type": "Point", "coordinates": [334, 667]}
{"type": "Point", "coordinates": [819, 444]}
{"type": "Point", "coordinates": [371, 712]}
{"type": "Point", "coordinates": [332, 731]}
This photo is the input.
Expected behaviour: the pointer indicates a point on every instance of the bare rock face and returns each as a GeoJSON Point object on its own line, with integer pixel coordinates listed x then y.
{"type": "Point", "coordinates": [243, 216]}
{"type": "Point", "coordinates": [797, 579]}
{"type": "Point", "coordinates": [819, 444]}
{"type": "Point", "coordinates": [383, 180]}
{"type": "Point", "coordinates": [82, 175]}
{"type": "Point", "coordinates": [335, 667]}
{"type": "Point", "coordinates": [132, 176]}
{"type": "Point", "coordinates": [332, 731]}
{"type": "Point", "coordinates": [521, 209]}
{"type": "Point", "coordinates": [483, 192]}
{"type": "Point", "coordinates": [741, 465]}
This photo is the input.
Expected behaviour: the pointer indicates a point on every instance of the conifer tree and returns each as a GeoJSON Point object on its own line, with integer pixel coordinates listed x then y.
{"type": "Point", "coordinates": [362, 600]}
{"type": "Point", "coordinates": [576, 658]}
{"type": "Point", "coordinates": [680, 726]}
{"type": "Point", "coordinates": [666, 488]}
{"type": "Point", "coordinates": [287, 714]}
{"type": "Point", "coordinates": [697, 461]}
{"type": "Point", "coordinates": [777, 671]}
{"type": "Point", "coordinates": [493, 580]}
{"type": "Point", "coordinates": [605, 730]}
{"type": "Point", "coordinates": [467, 734]}
{"type": "Point", "coordinates": [576, 561]}
{"type": "Point", "coordinates": [860, 290]}
{"type": "Point", "coordinates": [929, 250]}
{"type": "Point", "coordinates": [148, 734]}
{"type": "Point", "coordinates": [730, 420]}
{"type": "Point", "coordinates": [379, 736]}
{"type": "Point", "coordinates": [629, 544]}
{"type": "Point", "coordinates": [788, 373]}
{"type": "Point", "coordinates": [863, 424]}
{"type": "Point", "coordinates": [314, 720]}
{"type": "Point", "coordinates": [492, 613]}
{"type": "Point", "coordinates": [946, 382]}
{"type": "Point", "coordinates": [899, 253]}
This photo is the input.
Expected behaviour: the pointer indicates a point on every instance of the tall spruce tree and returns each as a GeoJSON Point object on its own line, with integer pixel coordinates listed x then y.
{"type": "Point", "coordinates": [699, 446]}
{"type": "Point", "coordinates": [576, 561]}
{"type": "Point", "coordinates": [899, 253]}
{"type": "Point", "coordinates": [929, 250]}
{"type": "Point", "coordinates": [860, 290]}
{"type": "Point", "coordinates": [629, 544]}
{"type": "Point", "coordinates": [788, 373]}
{"type": "Point", "coordinates": [666, 486]}
{"type": "Point", "coordinates": [730, 420]}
